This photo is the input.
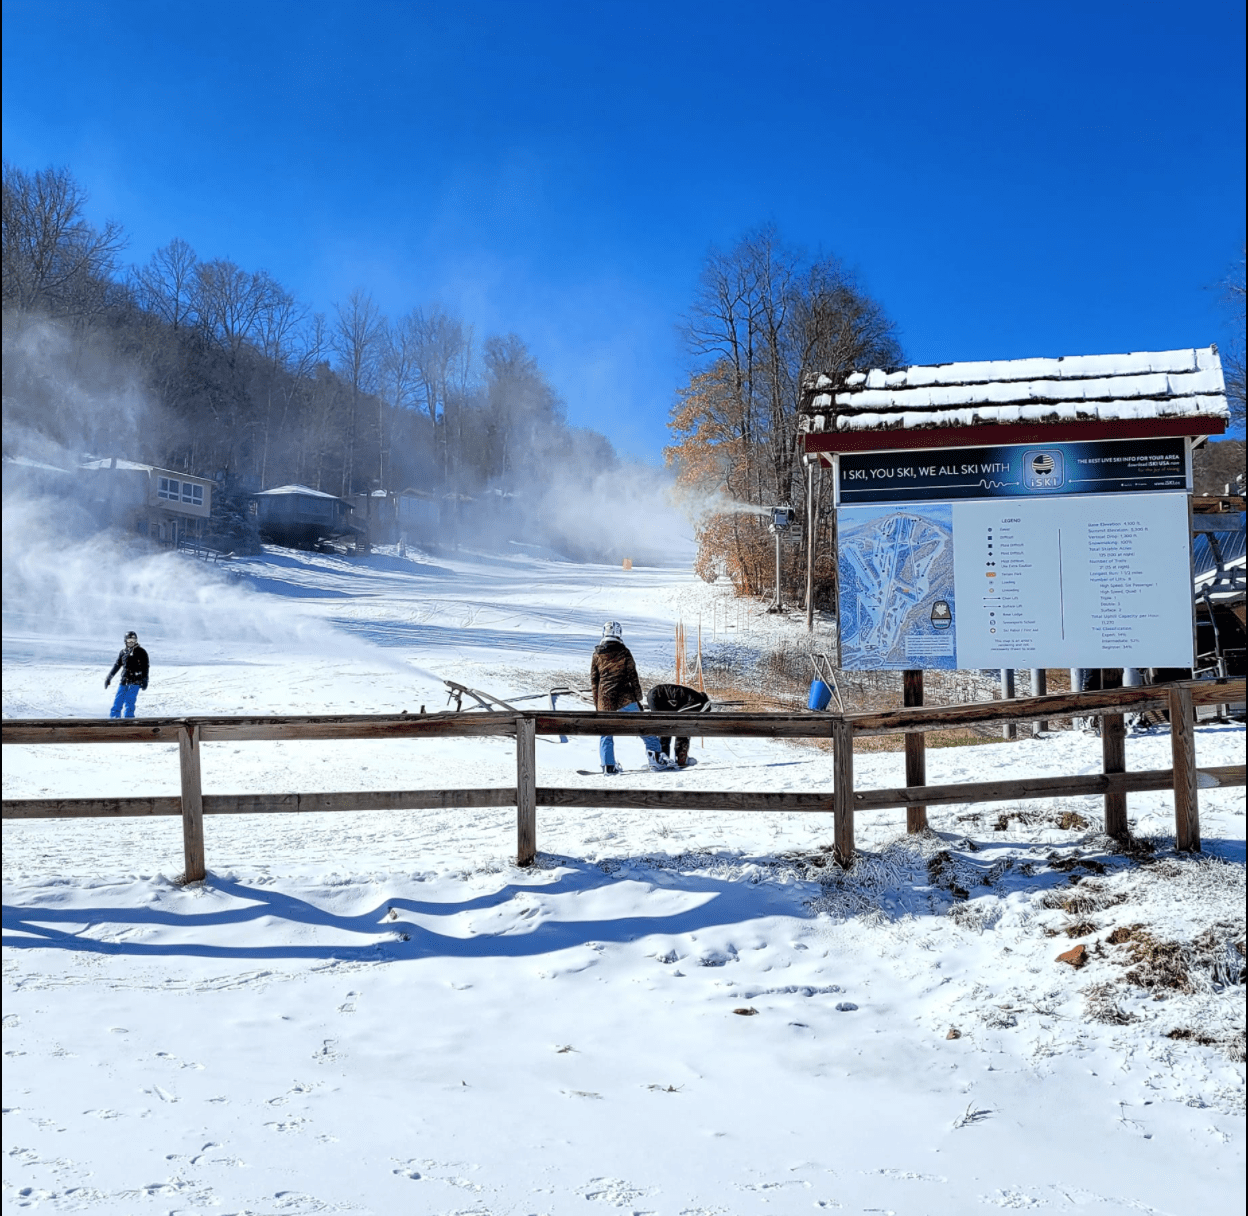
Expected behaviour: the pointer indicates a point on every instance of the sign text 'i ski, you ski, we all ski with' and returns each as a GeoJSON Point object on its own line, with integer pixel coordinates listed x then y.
{"type": "Point", "coordinates": [1062, 555]}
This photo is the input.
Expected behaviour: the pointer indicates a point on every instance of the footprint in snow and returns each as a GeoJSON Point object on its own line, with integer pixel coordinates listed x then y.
{"type": "Point", "coordinates": [614, 1191]}
{"type": "Point", "coordinates": [287, 1125]}
{"type": "Point", "coordinates": [906, 1175]}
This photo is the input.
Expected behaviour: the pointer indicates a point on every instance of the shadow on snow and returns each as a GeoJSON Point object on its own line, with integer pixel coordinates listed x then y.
{"type": "Point", "coordinates": [893, 886]}
{"type": "Point", "coordinates": [727, 903]}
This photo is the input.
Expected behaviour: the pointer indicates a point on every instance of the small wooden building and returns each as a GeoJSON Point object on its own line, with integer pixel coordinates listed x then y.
{"type": "Point", "coordinates": [301, 517]}
{"type": "Point", "coordinates": [164, 505]}
{"type": "Point", "coordinates": [410, 515]}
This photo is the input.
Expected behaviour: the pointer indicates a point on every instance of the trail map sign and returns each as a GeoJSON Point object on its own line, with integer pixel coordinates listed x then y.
{"type": "Point", "coordinates": [1062, 555]}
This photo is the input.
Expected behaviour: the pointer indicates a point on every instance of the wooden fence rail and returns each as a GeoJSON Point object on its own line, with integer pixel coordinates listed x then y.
{"type": "Point", "coordinates": [526, 795]}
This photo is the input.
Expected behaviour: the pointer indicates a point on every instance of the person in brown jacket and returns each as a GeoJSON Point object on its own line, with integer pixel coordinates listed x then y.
{"type": "Point", "coordinates": [613, 677]}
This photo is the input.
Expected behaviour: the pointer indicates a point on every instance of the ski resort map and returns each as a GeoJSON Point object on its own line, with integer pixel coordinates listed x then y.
{"type": "Point", "coordinates": [897, 587]}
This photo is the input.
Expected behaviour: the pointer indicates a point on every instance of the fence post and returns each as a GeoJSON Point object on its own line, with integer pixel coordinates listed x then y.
{"type": "Point", "coordinates": [526, 791]}
{"type": "Point", "coordinates": [843, 790]}
{"type": "Point", "coordinates": [192, 805]}
{"type": "Point", "coordinates": [1183, 757]}
{"type": "Point", "coordinates": [916, 753]}
{"type": "Point", "coordinates": [1114, 759]}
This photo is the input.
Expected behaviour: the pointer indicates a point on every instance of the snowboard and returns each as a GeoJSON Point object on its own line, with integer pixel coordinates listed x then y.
{"type": "Point", "coordinates": [595, 772]}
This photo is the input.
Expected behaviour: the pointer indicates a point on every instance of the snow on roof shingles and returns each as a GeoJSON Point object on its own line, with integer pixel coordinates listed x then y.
{"type": "Point", "coordinates": [1145, 384]}
{"type": "Point", "coordinates": [126, 466]}
{"type": "Point", "coordinates": [306, 490]}
{"type": "Point", "coordinates": [134, 466]}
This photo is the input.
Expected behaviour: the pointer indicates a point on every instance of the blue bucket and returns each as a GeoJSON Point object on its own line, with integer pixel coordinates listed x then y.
{"type": "Point", "coordinates": [820, 695]}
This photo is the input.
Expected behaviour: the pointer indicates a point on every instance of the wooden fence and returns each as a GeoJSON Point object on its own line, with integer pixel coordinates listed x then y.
{"type": "Point", "coordinates": [1114, 783]}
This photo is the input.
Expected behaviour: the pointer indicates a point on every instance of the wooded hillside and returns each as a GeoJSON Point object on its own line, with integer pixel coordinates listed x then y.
{"type": "Point", "coordinates": [203, 365]}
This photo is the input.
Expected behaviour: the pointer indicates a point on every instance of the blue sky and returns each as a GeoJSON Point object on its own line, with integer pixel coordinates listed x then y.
{"type": "Point", "coordinates": [1007, 179]}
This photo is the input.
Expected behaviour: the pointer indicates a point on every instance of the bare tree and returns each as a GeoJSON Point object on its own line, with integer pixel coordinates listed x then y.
{"type": "Point", "coordinates": [439, 343]}
{"type": "Point", "coordinates": [356, 340]}
{"type": "Point", "coordinates": [167, 285]}
{"type": "Point", "coordinates": [400, 379]}
{"type": "Point", "coordinates": [764, 314]}
{"type": "Point", "coordinates": [523, 411]}
{"type": "Point", "coordinates": [277, 330]}
{"type": "Point", "coordinates": [53, 258]}
{"type": "Point", "coordinates": [231, 302]}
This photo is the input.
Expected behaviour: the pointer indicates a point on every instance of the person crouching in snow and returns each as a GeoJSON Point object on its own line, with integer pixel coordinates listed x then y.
{"type": "Point", "coordinates": [613, 676]}
{"type": "Point", "coordinates": [676, 699]}
{"type": "Point", "coordinates": [132, 663]}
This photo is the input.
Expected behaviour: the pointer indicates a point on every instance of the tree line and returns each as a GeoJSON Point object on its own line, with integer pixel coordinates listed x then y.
{"type": "Point", "coordinates": [205, 366]}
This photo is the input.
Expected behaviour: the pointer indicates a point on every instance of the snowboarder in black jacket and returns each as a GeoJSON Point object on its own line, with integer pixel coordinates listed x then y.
{"type": "Point", "coordinates": [676, 699]}
{"type": "Point", "coordinates": [133, 665]}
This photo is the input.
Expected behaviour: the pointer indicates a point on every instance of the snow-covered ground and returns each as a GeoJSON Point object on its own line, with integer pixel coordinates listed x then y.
{"type": "Point", "coordinates": [670, 1013]}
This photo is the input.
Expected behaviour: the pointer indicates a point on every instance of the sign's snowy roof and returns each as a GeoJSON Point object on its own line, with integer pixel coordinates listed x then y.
{"type": "Point", "coordinates": [1077, 388]}
{"type": "Point", "coordinates": [305, 490]}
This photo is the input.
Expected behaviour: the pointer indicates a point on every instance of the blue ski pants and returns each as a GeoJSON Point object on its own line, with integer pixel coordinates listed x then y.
{"type": "Point", "coordinates": [606, 743]}
{"type": "Point", "coordinates": [127, 695]}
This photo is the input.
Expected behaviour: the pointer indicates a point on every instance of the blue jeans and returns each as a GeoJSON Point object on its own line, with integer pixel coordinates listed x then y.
{"type": "Point", "coordinates": [126, 696]}
{"type": "Point", "coordinates": [606, 743]}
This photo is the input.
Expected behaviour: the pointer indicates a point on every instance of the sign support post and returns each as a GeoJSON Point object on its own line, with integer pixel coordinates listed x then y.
{"type": "Point", "coordinates": [1039, 686]}
{"type": "Point", "coordinates": [1114, 759]}
{"type": "Point", "coordinates": [916, 751]}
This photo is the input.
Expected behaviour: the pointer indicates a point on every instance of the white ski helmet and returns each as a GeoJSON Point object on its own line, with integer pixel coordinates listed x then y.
{"type": "Point", "coordinates": [613, 629]}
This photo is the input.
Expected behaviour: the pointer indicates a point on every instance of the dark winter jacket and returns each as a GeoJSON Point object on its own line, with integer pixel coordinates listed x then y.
{"type": "Point", "coordinates": [673, 698]}
{"type": "Point", "coordinates": [613, 675]}
{"type": "Point", "coordinates": [133, 667]}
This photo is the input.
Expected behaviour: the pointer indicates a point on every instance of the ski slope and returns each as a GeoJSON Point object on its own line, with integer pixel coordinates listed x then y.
{"type": "Point", "coordinates": [379, 1013]}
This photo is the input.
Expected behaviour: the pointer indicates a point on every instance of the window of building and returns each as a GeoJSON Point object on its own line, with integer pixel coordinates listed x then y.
{"type": "Point", "coordinates": [192, 493]}
{"type": "Point", "coordinates": [168, 488]}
